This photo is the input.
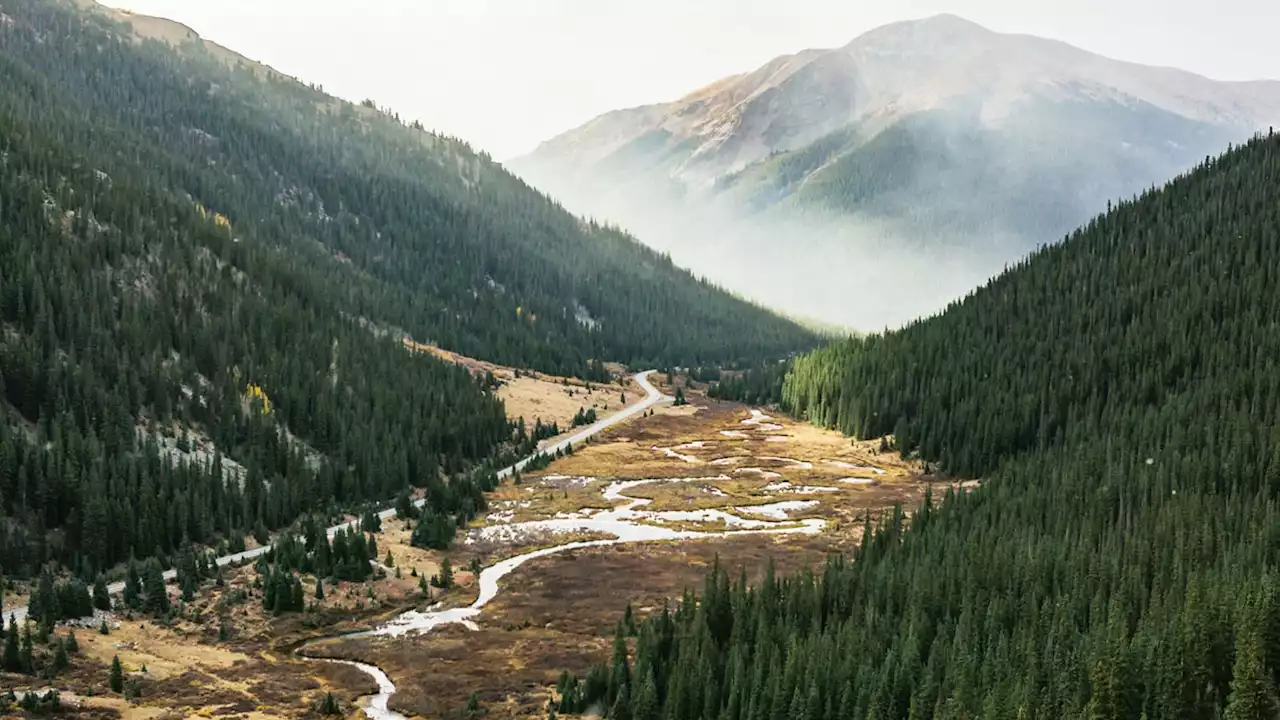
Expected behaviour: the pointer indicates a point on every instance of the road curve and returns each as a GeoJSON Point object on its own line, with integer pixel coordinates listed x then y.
{"type": "Point", "coordinates": [653, 396]}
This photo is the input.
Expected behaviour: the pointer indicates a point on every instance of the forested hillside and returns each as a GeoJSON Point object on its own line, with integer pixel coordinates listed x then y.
{"type": "Point", "coordinates": [206, 270]}
{"type": "Point", "coordinates": [1119, 396]}
{"type": "Point", "coordinates": [407, 229]}
{"type": "Point", "coordinates": [127, 311]}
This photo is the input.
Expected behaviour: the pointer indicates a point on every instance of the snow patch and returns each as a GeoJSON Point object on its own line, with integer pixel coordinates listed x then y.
{"type": "Point", "coordinates": [778, 510]}
{"type": "Point", "coordinates": [850, 466]}
{"type": "Point", "coordinates": [671, 453]}
{"type": "Point", "coordinates": [758, 419]}
{"type": "Point", "coordinates": [766, 474]}
{"type": "Point", "coordinates": [795, 464]}
{"type": "Point", "coordinates": [798, 489]}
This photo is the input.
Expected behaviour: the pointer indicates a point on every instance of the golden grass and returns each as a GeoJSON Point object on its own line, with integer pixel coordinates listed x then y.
{"type": "Point", "coordinates": [539, 396]}
{"type": "Point", "coordinates": [554, 613]}
{"type": "Point", "coordinates": [754, 465]}
{"type": "Point", "coordinates": [164, 653]}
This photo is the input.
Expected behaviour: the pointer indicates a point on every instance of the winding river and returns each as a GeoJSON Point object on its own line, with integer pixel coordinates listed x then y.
{"type": "Point", "coordinates": [628, 523]}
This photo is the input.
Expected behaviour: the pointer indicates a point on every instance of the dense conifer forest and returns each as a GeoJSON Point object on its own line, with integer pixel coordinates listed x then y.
{"type": "Point", "coordinates": [1119, 396]}
{"type": "Point", "coordinates": [125, 310]}
{"type": "Point", "coordinates": [406, 229]}
{"type": "Point", "coordinates": [206, 270]}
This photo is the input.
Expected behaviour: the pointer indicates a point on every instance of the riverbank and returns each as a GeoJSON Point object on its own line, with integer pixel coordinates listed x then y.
{"type": "Point", "coordinates": [555, 608]}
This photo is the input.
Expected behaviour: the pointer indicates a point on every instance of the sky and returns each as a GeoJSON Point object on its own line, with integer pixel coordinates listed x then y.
{"type": "Point", "coordinates": [508, 74]}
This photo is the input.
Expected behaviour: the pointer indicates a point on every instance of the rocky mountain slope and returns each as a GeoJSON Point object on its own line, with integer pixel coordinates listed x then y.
{"type": "Point", "coordinates": [931, 150]}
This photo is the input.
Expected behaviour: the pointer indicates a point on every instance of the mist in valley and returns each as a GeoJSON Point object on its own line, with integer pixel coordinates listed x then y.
{"type": "Point", "coordinates": [861, 274]}
{"type": "Point", "coordinates": [897, 222]}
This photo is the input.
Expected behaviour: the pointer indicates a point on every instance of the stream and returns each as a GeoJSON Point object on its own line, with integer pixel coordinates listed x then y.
{"type": "Point", "coordinates": [626, 522]}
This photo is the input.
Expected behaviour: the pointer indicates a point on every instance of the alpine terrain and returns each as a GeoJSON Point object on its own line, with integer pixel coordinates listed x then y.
{"type": "Point", "coordinates": [208, 269]}
{"type": "Point", "coordinates": [308, 411]}
{"type": "Point", "coordinates": [1119, 397]}
{"type": "Point", "coordinates": [872, 183]}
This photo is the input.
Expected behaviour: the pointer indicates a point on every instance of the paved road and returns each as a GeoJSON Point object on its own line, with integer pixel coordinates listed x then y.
{"type": "Point", "coordinates": [652, 397]}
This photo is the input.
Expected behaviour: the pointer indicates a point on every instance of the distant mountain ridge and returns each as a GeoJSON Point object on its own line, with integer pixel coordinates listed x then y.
{"type": "Point", "coordinates": [935, 139]}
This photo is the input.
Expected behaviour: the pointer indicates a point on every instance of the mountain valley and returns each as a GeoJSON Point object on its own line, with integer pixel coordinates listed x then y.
{"type": "Point", "coordinates": [307, 411]}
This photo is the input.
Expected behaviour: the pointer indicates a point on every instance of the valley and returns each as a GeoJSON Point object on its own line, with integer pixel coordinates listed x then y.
{"type": "Point", "coordinates": [309, 411]}
{"type": "Point", "coordinates": [647, 502]}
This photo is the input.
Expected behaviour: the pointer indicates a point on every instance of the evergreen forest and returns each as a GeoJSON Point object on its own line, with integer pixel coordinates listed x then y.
{"type": "Point", "coordinates": [1118, 395]}
{"type": "Point", "coordinates": [206, 273]}
{"type": "Point", "coordinates": [407, 229]}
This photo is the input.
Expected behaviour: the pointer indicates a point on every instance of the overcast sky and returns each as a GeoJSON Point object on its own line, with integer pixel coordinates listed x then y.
{"type": "Point", "coordinates": [507, 74]}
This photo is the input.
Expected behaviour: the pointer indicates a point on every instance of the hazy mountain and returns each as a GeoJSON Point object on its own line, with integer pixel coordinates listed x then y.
{"type": "Point", "coordinates": [904, 167]}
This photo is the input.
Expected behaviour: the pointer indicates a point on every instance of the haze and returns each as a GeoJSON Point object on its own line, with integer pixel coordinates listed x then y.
{"type": "Point", "coordinates": [507, 74]}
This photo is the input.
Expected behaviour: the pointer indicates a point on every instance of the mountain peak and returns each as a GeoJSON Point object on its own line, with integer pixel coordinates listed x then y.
{"type": "Point", "coordinates": [944, 26]}
{"type": "Point", "coordinates": [944, 21]}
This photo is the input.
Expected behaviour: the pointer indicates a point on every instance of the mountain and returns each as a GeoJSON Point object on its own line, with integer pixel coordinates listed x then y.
{"type": "Point", "coordinates": [1118, 395]}
{"type": "Point", "coordinates": [207, 271]}
{"type": "Point", "coordinates": [448, 247]}
{"type": "Point", "coordinates": [918, 159]}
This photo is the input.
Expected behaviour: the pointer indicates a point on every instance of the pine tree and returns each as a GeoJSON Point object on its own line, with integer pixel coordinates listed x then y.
{"type": "Point", "coordinates": [1253, 693]}
{"type": "Point", "coordinates": [629, 621]}
{"type": "Point", "coordinates": [12, 658]}
{"type": "Point", "coordinates": [26, 652]}
{"type": "Point", "coordinates": [619, 669]}
{"type": "Point", "coordinates": [645, 704]}
{"type": "Point", "coordinates": [157, 597]}
{"type": "Point", "coordinates": [101, 598]}
{"type": "Point", "coordinates": [444, 578]}
{"type": "Point", "coordinates": [60, 660]}
{"type": "Point", "coordinates": [133, 586]}
{"type": "Point", "coordinates": [116, 679]}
